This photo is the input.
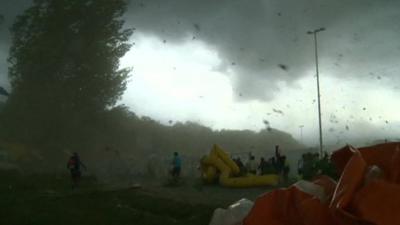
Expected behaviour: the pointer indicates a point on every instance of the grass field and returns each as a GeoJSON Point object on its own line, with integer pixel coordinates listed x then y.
{"type": "Point", "coordinates": [50, 200]}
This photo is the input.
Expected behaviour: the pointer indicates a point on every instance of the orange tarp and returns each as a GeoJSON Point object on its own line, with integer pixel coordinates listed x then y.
{"type": "Point", "coordinates": [363, 195]}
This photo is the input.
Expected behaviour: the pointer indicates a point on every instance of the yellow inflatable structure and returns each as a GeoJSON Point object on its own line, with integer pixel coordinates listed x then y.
{"type": "Point", "coordinates": [218, 165]}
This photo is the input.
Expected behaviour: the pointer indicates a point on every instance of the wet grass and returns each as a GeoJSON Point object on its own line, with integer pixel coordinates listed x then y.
{"type": "Point", "coordinates": [49, 199]}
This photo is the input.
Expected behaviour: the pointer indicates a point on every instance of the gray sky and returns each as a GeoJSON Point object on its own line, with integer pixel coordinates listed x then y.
{"type": "Point", "coordinates": [217, 63]}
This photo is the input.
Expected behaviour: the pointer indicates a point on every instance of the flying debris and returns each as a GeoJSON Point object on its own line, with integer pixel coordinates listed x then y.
{"type": "Point", "coordinates": [194, 38]}
{"type": "Point", "coordinates": [347, 127]}
{"type": "Point", "coordinates": [240, 94]}
{"type": "Point", "coordinates": [364, 108]}
{"type": "Point", "coordinates": [233, 63]}
{"type": "Point", "coordinates": [197, 27]}
{"type": "Point", "coordinates": [283, 67]}
{"type": "Point", "coordinates": [333, 119]}
{"type": "Point", "coordinates": [170, 121]}
{"type": "Point", "coordinates": [266, 122]}
{"type": "Point", "coordinates": [279, 14]}
{"type": "Point", "coordinates": [164, 41]}
{"type": "Point", "coordinates": [278, 111]}
{"type": "Point", "coordinates": [386, 121]}
{"type": "Point", "coordinates": [378, 77]}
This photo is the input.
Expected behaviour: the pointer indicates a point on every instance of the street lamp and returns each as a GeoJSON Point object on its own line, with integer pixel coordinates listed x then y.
{"type": "Point", "coordinates": [301, 132]}
{"type": "Point", "coordinates": [314, 32]}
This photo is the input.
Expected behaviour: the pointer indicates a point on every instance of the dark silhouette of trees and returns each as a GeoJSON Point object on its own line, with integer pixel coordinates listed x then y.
{"type": "Point", "coordinates": [64, 67]}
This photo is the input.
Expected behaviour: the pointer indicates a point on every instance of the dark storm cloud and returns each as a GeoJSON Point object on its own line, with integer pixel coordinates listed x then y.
{"type": "Point", "coordinates": [255, 38]}
{"type": "Point", "coordinates": [265, 42]}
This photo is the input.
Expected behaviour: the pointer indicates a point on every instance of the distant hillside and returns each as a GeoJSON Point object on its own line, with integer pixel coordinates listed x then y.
{"type": "Point", "coordinates": [149, 136]}
{"type": "Point", "coordinates": [119, 137]}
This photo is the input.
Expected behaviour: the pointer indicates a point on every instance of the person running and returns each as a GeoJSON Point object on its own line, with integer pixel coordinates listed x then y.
{"type": "Point", "coordinates": [282, 165]}
{"type": "Point", "coordinates": [300, 166]}
{"type": "Point", "coordinates": [74, 165]}
{"type": "Point", "coordinates": [274, 165]}
{"type": "Point", "coordinates": [251, 165]}
{"type": "Point", "coordinates": [176, 165]}
{"type": "Point", "coordinates": [285, 170]}
{"type": "Point", "coordinates": [241, 166]}
{"type": "Point", "coordinates": [279, 160]}
{"type": "Point", "coordinates": [263, 166]}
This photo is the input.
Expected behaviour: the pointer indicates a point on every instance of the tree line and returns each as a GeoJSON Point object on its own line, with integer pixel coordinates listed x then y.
{"type": "Point", "coordinates": [66, 80]}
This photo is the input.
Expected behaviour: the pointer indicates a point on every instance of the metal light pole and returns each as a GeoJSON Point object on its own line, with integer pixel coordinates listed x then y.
{"type": "Point", "coordinates": [314, 32]}
{"type": "Point", "coordinates": [301, 132]}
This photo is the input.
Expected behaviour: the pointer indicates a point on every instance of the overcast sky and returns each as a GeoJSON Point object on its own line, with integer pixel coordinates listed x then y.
{"type": "Point", "coordinates": [235, 64]}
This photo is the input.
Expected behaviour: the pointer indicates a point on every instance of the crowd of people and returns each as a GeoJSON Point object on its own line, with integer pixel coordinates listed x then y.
{"type": "Point", "coordinates": [276, 164]}
{"type": "Point", "coordinates": [311, 165]}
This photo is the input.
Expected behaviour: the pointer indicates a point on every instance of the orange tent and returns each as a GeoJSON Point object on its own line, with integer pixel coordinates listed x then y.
{"type": "Point", "coordinates": [368, 192]}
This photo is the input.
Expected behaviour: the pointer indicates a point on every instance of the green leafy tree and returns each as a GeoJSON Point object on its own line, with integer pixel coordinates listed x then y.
{"type": "Point", "coordinates": [64, 66]}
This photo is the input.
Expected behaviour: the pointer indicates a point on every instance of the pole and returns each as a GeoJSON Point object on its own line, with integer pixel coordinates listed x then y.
{"type": "Point", "coordinates": [319, 96]}
{"type": "Point", "coordinates": [301, 132]}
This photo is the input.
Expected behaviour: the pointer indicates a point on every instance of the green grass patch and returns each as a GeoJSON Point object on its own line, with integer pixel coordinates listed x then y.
{"type": "Point", "coordinates": [49, 199]}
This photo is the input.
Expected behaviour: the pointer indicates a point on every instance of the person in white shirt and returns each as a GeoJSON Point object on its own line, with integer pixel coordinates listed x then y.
{"type": "Point", "coordinates": [251, 165]}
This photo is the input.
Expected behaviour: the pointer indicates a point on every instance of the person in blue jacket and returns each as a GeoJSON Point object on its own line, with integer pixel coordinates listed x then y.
{"type": "Point", "coordinates": [176, 165]}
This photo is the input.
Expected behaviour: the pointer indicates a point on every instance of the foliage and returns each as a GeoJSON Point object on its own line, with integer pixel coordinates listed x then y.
{"type": "Point", "coordinates": [314, 166]}
{"type": "Point", "coordinates": [191, 138]}
{"type": "Point", "coordinates": [64, 67]}
{"type": "Point", "coordinates": [135, 140]}
{"type": "Point", "coordinates": [66, 78]}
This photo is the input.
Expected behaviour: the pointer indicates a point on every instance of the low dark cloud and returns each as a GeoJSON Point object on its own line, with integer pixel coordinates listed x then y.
{"type": "Point", "coordinates": [253, 37]}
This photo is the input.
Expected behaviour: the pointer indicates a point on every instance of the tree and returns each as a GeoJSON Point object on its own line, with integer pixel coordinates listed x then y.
{"type": "Point", "coordinates": [3, 91]}
{"type": "Point", "coordinates": [64, 65]}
